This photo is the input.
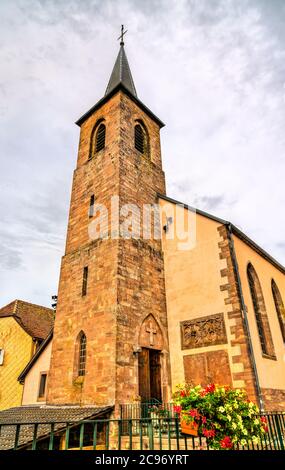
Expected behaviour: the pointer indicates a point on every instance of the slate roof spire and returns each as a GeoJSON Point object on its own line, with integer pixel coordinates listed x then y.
{"type": "Point", "coordinates": [121, 72]}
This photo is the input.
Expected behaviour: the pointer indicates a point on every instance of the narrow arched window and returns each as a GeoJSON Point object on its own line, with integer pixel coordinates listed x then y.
{"type": "Point", "coordinates": [80, 355]}
{"type": "Point", "coordinates": [100, 138]}
{"type": "Point", "coordinates": [260, 312]}
{"type": "Point", "coordinates": [279, 306]}
{"type": "Point", "coordinates": [140, 139]}
{"type": "Point", "coordinates": [97, 138]}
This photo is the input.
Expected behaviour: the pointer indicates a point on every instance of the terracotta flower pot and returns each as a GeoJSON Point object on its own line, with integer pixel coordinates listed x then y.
{"type": "Point", "coordinates": [189, 428]}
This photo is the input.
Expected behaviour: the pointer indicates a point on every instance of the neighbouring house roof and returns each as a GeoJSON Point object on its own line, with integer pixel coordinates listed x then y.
{"type": "Point", "coordinates": [37, 354]}
{"type": "Point", "coordinates": [235, 230]}
{"type": "Point", "coordinates": [36, 320]}
{"type": "Point", "coordinates": [43, 416]}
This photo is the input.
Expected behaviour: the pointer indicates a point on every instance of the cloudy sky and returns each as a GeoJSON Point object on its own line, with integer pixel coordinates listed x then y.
{"type": "Point", "coordinates": [212, 70]}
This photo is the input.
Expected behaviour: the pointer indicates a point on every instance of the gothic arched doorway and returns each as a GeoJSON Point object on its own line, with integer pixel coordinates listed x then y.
{"type": "Point", "coordinates": [149, 360]}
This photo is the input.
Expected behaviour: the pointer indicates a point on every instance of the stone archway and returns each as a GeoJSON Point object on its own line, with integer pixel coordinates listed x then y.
{"type": "Point", "coordinates": [150, 334]}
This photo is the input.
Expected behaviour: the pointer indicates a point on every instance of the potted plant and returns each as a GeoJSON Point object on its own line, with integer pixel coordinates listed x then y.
{"type": "Point", "coordinates": [188, 426]}
{"type": "Point", "coordinates": [224, 416]}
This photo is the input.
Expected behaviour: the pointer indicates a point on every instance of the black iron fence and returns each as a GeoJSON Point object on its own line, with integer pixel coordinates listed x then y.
{"type": "Point", "coordinates": [154, 433]}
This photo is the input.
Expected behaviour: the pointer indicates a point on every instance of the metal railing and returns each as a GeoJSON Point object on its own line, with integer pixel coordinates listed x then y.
{"type": "Point", "coordinates": [160, 433]}
{"type": "Point", "coordinates": [273, 440]}
{"type": "Point", "coordinates": [147, 410]}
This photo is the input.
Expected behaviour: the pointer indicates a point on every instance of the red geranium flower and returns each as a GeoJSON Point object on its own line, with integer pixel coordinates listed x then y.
{"type": "Point", "coordinates": [209, 389]}
{"type": "Point", "coordinates": [177, 409]}
{"type": "Point", "coordinates": [264, 423]}
{"type": "Point", "coordinates": [194, 413]}
{"type": "Point", "coordinates": [204, 419]}
{"type": "Point", "coordinates": [226, 443]}
{"type": "Point", "coordinates": [208, 432]}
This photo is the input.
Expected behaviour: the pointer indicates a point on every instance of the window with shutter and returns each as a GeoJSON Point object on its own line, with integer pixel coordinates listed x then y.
{"type": "Point", "coordinates": [100, 138]}
{"type": "Point", "coordinates": [140, 143]}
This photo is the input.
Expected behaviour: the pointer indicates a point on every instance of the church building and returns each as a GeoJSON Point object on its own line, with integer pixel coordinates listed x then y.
{"type": "Point", "coordinates": [159, 292]}
{"type": "Point", "coordinates": [138, 315]}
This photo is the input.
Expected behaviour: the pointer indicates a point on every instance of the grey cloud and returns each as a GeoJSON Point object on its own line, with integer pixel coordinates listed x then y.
{"type": "Point", "coordinates": [213, 71]}
{"type": "Point", "coordinates": [51, 214]}
{"type": "Point", "coordinates": [210, 202]}
{"type": "Point", "coordinates": [10, 259]}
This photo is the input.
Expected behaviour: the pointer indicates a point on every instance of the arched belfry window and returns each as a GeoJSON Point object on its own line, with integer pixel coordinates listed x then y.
{"type": "Point", "coordinates": [262, 323]}
{"type": "Point", "coordinates": [80, 355]}
{"type": "Point", "coordinates": [98, 138]}
{"type": "Point", "coordinates": [279, 306]}
{"type": "Point", "coordinates": [141, 139]}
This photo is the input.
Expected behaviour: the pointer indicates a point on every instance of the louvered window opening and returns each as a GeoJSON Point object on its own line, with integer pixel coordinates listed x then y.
{"type": "Point", "coordinates": [82, 356]}
{"type": "Point", "coordinates": [279, 306]}
{"type": "Point", "coordinates": [139, 139]}
{"type": "Point", "coordinates": [100, 138]}
{"type": "Point", "coordinates": [257, 313]}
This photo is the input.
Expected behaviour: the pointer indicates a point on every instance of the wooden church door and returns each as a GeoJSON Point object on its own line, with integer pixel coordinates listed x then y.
{"type": "Point", "coordinates": [155, 374]}
{"type": "Point", "coordinates": [149, 375]}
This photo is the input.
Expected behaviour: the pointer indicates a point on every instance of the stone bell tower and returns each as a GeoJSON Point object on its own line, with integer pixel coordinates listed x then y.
{"type": "Point", "coordinates": [110, 338]}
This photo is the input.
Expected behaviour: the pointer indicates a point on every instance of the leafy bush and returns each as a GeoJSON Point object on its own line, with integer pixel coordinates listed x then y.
{"type": "Point", "coordinates": [224, 416]}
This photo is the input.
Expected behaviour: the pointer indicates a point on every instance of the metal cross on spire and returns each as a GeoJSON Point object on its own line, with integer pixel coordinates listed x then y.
{"type": "Point", "coordinates": [121, 37]}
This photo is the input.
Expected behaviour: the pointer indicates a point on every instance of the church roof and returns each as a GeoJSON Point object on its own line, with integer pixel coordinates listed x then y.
{"type": "Point", "coordinates": [36, 320]}
{"type": "Point", "coordinates": [121, 73]}
{"type": "Point", "coordinates": [120, 79]}
{"type": "Point", "coordinates": [43, 415]}
{"type": "Point", "coordinates": [103, 100]}
{"type": "Point", "coordinates": [235, 230]}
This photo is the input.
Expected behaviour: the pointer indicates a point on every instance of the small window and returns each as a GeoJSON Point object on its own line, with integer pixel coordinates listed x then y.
{"type": "Point", "coordinates": [43, 382]}
{"type": "Point", "coordinates": [82, 355]}
{"type": "Point", "coordinates": [140, 139]}
{"type": "Point", "coordinates": [91, 206]}
{"type": "Point", "coordinates": [85, 281]}
{"type": "Point", "coordinates": [100, 138]}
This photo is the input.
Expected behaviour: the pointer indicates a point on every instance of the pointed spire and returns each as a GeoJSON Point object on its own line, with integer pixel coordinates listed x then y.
{"type": "Point", "coordinates": [121, 72]}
